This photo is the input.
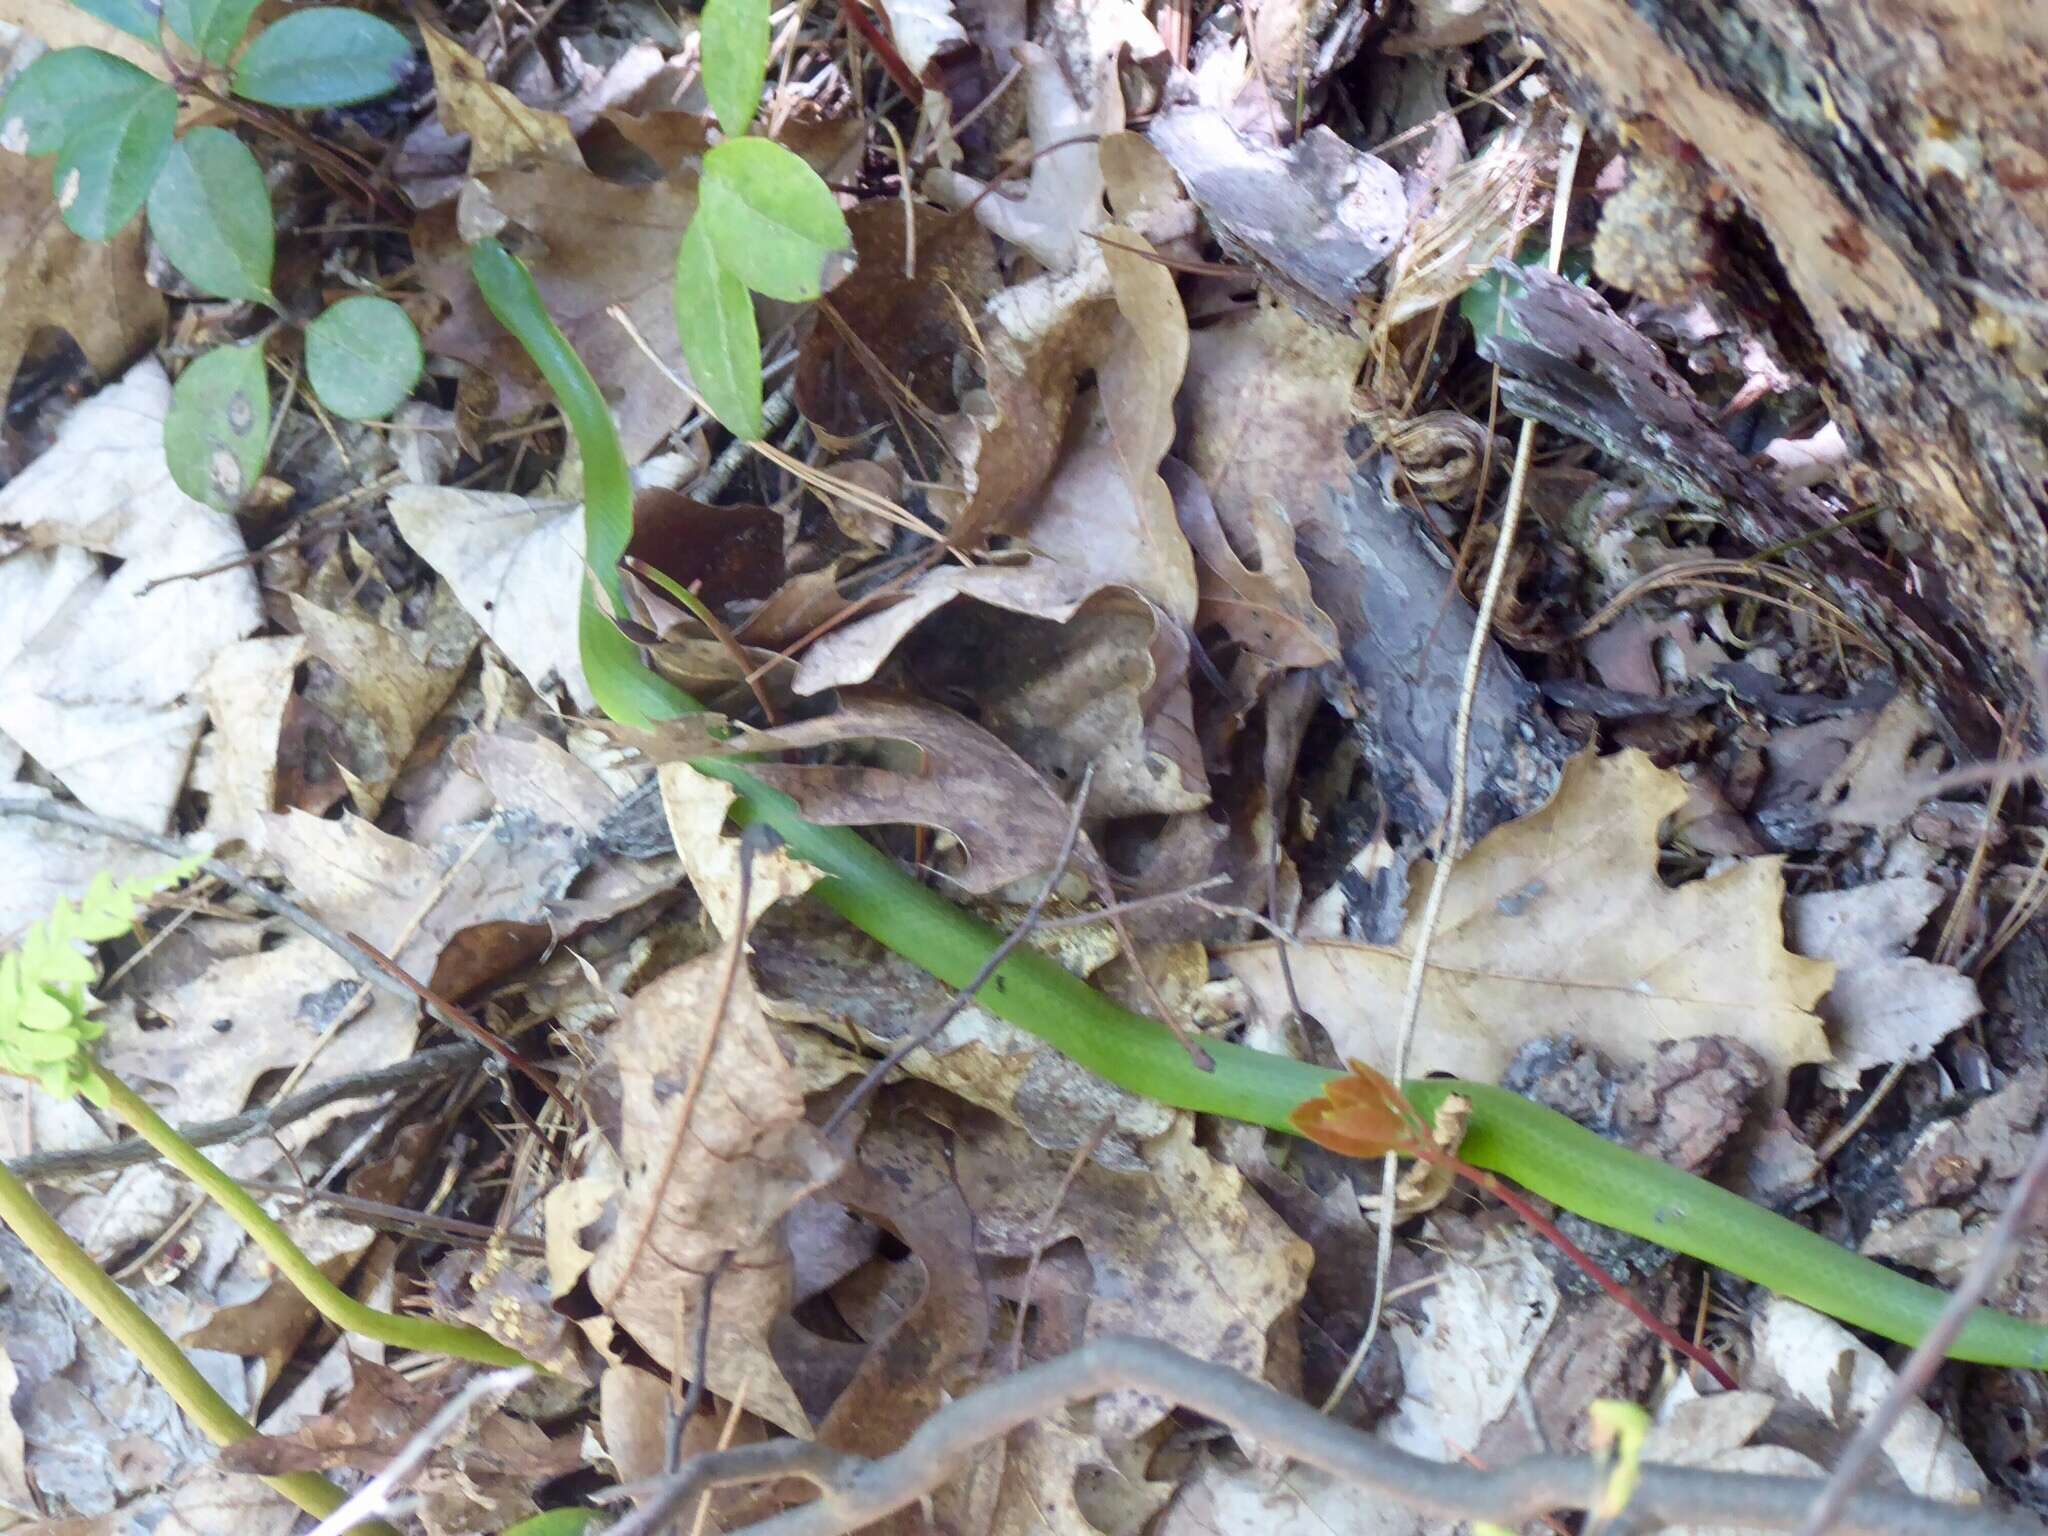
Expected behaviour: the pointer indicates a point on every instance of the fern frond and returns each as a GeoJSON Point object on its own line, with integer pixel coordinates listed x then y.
{"type": "Point", "coordinates": [45, 1009]}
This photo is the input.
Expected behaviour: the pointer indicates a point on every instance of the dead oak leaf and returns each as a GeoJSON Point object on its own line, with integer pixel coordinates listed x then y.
{"type": "Point", "coordinates": [716, 1150]}
{"type": "Point", "coordinates": [1181, 1250]}
{"type": "Point", "coordinates": [1559, 923]}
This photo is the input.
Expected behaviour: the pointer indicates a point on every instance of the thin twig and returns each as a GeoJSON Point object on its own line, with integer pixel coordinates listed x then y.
{"type": "Point", "coordinates": [859, 1492]}
{"type": "Point", "coordinates": [447, 1012]}
{"type": "Point", "coordinates": [373, 1498]}
{"type": "Point", "coordinates": [1931, 1351]}
{"type": "Point", "coordinates": [43, 1167]}
{"type": "Point", "coordinates": [700, 1367]}
{"type": "Point", "coordinates": [1461, 751]}
{"type": "Point", "coordinates": [879, 1073]}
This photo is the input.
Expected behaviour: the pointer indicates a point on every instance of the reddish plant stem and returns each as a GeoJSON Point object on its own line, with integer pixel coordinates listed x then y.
{"type": "Point", "coordinates": [1519, 1204]}
{"type": "Point", "coordinates": [862, 21]}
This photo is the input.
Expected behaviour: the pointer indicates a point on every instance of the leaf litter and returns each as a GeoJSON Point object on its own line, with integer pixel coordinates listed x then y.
{"type": "Point", "coordinates": [1187, 369]}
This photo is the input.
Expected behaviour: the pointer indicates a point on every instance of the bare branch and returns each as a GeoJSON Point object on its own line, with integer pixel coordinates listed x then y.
{"type": "Point", "coordinates": [442, 1060]}
{"type": "Point", "coordinates": [373, 1500]}
{"type": "Point", "coordinates": [859, 1491]}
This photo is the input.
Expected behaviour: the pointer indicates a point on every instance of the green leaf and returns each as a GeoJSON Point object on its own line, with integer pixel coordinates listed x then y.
{"type": "Point", "coordinates": [211, 28]}
{"type": "Point", "coordinates": [210, 211]}
{"type": "Point", "coordinates": [325, 57]}
{"type": "Point", "coordinates": [733, 43]}
{"type": "Point", "coordinates": [363, 358]}
{"type": "Point", "coordinates": [135, 17]}
{"type": "Point", "coordinates": [109, 163]}
{"type": "Point", "coordinates": [715, 323]}
{"type": "Point", "coordinates": [775, 225]}
{"type": "Point", "coordinates": [61, 92]}
{"type": "Point", "coordinates": [218, 427]}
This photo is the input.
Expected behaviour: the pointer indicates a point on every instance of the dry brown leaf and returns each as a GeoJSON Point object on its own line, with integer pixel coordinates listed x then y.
{"type": "Point", "coordinates": [855, 652]}
{"type": "Point", "coordinates": [1106, 510]}
{"type": "Point", "coordinates": [479, 1477]}
{"type": "Point", "coordinates": [50, 279]}
{"type": "Point", "coordinates": [1101, 683]}
{"type": "Point", "coordinates": [711, 1167]}
{"type": "Point", "coordinates": [391, 686]}
{"type": "Point", "coordinates": [1263, 417]}
{"type": "Point", "coordinates": [1559, 923]}
{"type": "Point", "coordinates": [502, 129]}
{"type": "Point", "coordinates": [1051, 1479]}
{"type": "Point", "coordinates": [968, 783]}
{"type": "Point", "coordinates": [1267, 607]}
{"type": "Point", "coordinates": [928, 1352]}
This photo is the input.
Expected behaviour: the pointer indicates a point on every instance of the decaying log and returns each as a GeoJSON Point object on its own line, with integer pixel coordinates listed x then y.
{"type": "Point", "coordinates": [1895, 154]}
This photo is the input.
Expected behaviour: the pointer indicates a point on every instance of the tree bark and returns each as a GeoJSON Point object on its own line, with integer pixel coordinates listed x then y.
{"type": "Point", "coordinates": [1895, 154]}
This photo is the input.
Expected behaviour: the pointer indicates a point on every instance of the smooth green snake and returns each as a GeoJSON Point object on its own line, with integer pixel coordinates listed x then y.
{"type": "Point", "coordinates": [1543, 1151]}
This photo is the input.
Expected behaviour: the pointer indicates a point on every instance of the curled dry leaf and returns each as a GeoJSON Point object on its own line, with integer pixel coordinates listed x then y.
{"type": "Point", "coordinates": [696, 807]}
{"type": "Point", "coordinates": [480, 1477]}
{"type": "Point", "coordinates": [1886, 1005]}
{"type": "Point", "coordinates": [1103, 682]}
{"type": "Point", "coordinates": [1006, 817]}
{"type": "Point", "coordinates": [715, 1150]}
{"type": "Point", "coordinates": [390, 684]}
{"type": "Point", "coordinates": [1064, 196]}
{"type": "Point", "coordinates": [1266, 607]}
{"type": "Point", "coordinates": [1560, 921]}
{"type": "Point", "coordinates": [1106, 510]}
{"type": "Point", "coordinates": [502, 129]}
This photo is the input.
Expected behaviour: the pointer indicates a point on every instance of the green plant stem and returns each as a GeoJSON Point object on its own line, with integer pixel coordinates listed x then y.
{"type": "Point", "coordinates": [165, 1362]}
{"type": "Point", "coordinates": [422, 1334]}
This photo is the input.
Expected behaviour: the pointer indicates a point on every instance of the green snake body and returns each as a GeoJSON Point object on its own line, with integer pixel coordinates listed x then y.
{"type": "Point", "coordinates": [1543, 1151]}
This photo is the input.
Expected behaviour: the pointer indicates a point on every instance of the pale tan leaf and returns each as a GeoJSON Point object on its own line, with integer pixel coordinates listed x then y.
{"type": "Point", "coordinates": [247, 689]}
{"type": "Point", "coordinates": [716, 1149]}
{"type": "Point", "coordinates": [1266, 608]}
{"type": "Point", "coordinates": [1559, 923]}
{"type": "Point", "coordinates": [516, 564]}
{"type": "Point", "coordinates": [116, 721]}
{"type": "Point", "coordinates": [390, 691]}
{"type": "Point", "coordinates": [697, 806]}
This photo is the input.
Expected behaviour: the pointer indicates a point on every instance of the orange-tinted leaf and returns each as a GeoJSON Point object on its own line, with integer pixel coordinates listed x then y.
{"type": "Point", "coordinates": [1362, 1115]}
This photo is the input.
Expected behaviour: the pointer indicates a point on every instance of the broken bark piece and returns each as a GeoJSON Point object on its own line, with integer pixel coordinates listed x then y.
{"type": "Point", "coordinates": [1569, 361]}
{"type": "Point", "coordinates": [1405, 630]}
{"type": "Point", "coordinates": [1317, 219]}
